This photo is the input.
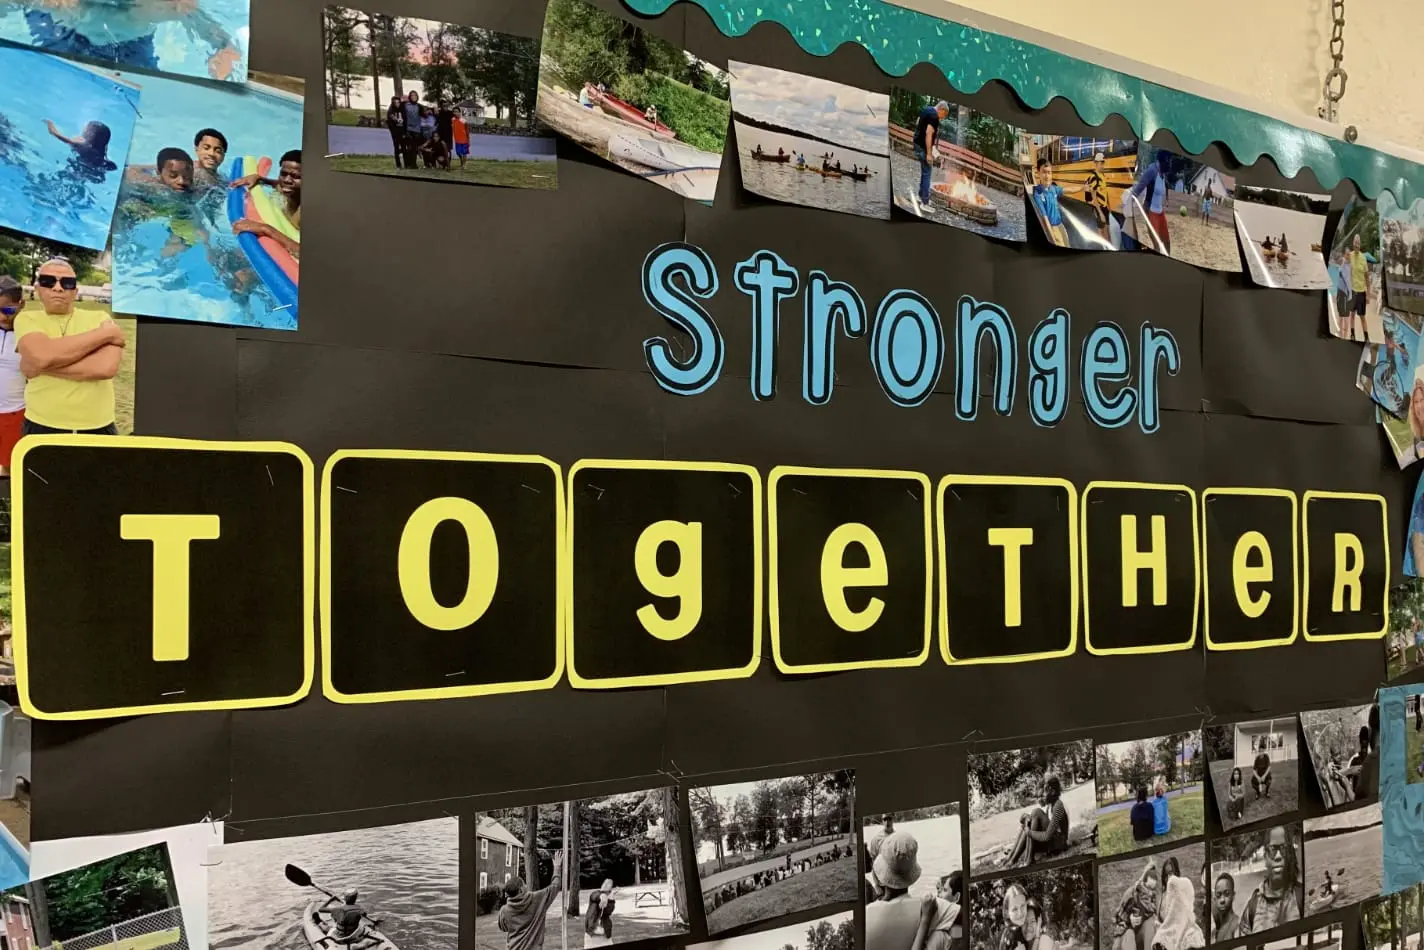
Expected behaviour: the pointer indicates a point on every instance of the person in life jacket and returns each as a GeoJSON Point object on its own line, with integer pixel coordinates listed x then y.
{"type": "Point", "coordinates": [347, 917]}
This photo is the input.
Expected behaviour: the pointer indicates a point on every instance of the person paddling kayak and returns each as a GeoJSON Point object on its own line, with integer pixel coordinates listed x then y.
{"type": "Point", "coordinates": [347, 917]}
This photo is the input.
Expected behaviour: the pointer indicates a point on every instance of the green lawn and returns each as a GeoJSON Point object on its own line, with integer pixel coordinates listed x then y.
{"type": "Point", "coordinates": [5, 582]}
{"type": "Point", "coordinates": [1115, 830]}
{"type": "Point", "coordinates": [1413, 751]}
{"type": "Point", "coordinates": [124, 382]}
{"type": "Point", "coordinates": [477, 171]}
{"type": "Point", "coordinates": [832, 883]}
{"type": "Point", "coordinates": [1409, 657]}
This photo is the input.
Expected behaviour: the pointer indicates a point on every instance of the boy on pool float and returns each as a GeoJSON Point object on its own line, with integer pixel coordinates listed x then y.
{"type": "Point", "coordinates": [289, 186]}
{"type": "Point", "coordinates": [122, 31]}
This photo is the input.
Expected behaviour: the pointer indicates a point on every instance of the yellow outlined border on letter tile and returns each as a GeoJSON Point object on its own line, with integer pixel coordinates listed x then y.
{"type": "Point", "coordinates": [329, 689]}
{"type": "Point", "coordinates": [1074, 583]}
{"type": "Point", "coordinates": [1196, 567]}
{"type": "Point", "coordinates": [1295, 568]}
{"type": "Point", "coordinates": [1305, 573]}
{"type": "Point", "coordinates": [120, 443]}
{"type": "Point", "coordinates": [923, 480]}
{"type": "Point", "coordinates": [567, 577]}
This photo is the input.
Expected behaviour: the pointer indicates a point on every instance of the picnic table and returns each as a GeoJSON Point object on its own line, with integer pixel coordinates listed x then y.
{"type": "Point", "coordinates": [647, 898]}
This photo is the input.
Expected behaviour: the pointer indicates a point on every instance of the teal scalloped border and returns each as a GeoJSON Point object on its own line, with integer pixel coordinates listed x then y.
{"type": "Point", "coordinates": [897, 39]}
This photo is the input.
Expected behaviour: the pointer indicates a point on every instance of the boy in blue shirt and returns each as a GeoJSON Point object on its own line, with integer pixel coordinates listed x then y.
{"type": "Point", "coordinates": [1045, 201]}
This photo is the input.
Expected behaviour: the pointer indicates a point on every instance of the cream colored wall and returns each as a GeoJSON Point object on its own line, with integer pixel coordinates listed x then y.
{"type": "Point", "coordinates": [1271, 50]}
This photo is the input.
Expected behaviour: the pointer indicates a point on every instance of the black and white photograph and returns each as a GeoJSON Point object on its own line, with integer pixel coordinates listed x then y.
{"type": "Point", "coordinates": [1394, 922]}
{"type": "Point", "coordinates": [774, 847]}
{"type": "Point", "coordinates": [373, 888]}
{"type": "Point", "coordinates": [1255, 769]}
{"type": "Point", "coordinates": [833, 932]}
{"type": "Point", "coordinates": [1281, 234]}
{"type": "Point", "coordinates": [1051, 909]}
{"type": "Point", "coordinates": [1327, 937]}
{"type": "Point", "coordinates": [1031, 806]}
{"type": "Point", "coordinates": [630, 878]}
{"type": "Point", "coordinates": [1344, 859]}
{"type": "Point", "coordinates": [912, 857]}
{"type": "Point", "coordinates": [522, 873]}
{"type": "Point", "coordinates": [1257, 882]}
{"type": "Point", "coordinates": [811, 142]}
{"type": "Point", "coordinates": [1344, 748]}
{"type": "Point", "coordinates": [1149, 791]}
{"type": "Point", "coordinates": [125, 902]}
{"type": "Point", "coordinates": [1156, 900]}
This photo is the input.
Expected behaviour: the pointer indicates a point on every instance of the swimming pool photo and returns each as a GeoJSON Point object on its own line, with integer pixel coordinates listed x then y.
{"type": "Point", "coordinates": [61, 154]}
{"type": "Point", "coordinates": [208, 41]}
{"type": "Point", "coordinates": [176, 253]}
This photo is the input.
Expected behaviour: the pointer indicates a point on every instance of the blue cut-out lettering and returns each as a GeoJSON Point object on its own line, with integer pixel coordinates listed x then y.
{"type": "Point", "coordinates": [976, 320]}
{"type": "Point", "coordinates": [1106, 360]}
{"type": "Point", "coordinates": [1157, 346]}
{"type": "Point", "coordinates": [1048, 369]}
{"type": "Point", "coordinates": [768, 280]}
{"type": "Point", "coordinates": [907, 347]}
{"type": "Point", "coordinates": [662, 265]}
{"type": "Point", "coordinates": [828, 303]}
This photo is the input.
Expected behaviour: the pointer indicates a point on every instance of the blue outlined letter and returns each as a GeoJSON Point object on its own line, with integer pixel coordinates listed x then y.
{"type": "Point", "coordinates": [1106, 359]}
{"type": "Point", "coordinates": [698, 372]}
{"type": "Point", "coordinates": [828, 302]}
{"type": "Point", "coordinates": [907, 347]}
{"type": "Point", "coordinates": [1157, 345]}
{"type": "Point", "coordinates": [768, 280]}
{"type": "Point", "coordinates": [1048, 369]}
{"type": "Point", "coordinates": [975, 320]}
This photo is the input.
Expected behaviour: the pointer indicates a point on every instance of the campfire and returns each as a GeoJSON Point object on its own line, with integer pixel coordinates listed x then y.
{"type": "Point", "coordinates": [963, 198]}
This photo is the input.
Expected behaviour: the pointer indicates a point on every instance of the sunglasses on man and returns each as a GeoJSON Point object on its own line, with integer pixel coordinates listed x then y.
{"type": "Point", "coordinates": [47, 281]}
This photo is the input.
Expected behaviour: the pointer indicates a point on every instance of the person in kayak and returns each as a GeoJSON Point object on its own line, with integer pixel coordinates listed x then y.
{"type": "Point", "coordinates": [524, 912]}
{"type": "Point", "coordinates": [347, 917]}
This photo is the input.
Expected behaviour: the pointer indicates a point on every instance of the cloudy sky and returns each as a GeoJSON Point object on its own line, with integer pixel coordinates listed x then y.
{"type": "Point", "coordinates": [852, 117]}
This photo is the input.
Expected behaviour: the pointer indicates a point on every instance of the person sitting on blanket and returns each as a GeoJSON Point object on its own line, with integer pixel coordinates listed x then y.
{"type": "Point", "coordinates": [1045, 829]}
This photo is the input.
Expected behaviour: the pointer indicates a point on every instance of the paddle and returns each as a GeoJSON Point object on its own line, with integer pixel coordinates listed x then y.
{"type": "Point", "coordinates": [302, 879]}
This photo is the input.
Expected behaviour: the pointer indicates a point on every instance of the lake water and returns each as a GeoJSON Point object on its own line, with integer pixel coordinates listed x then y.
{"type": "Point", "coordinates": [784, 182]}
{"type": "Point", "coordinates": [940, 851]}
{"type": "Point", "coordinates": [43, 189]}
{"type": "Point", "coordinates": [174, 49]}
{"type": "Point", "coordinates": [178, 257]}
{"type": "Point", "coordinates": [408, 877]}
{"type": "Point", "coordinates": [1304, 269]}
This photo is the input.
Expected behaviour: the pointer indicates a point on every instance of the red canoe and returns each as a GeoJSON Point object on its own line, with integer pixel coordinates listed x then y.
{"type": "Point", "coordinates": [614, 106]}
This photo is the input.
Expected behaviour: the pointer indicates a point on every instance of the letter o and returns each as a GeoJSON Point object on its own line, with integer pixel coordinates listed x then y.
{"type": "Point", "coordinates": [413, 563]}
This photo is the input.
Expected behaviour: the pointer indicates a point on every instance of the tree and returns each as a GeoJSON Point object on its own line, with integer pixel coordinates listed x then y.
{"type": "Point", "coordinates": [1136, 768]}
{"type": "Point", "coordinates": [1169, 750]}
{"type": "Point", "coordinates": [531, 846]}
{"type": "Point", "coordinates": [502, 70]}
{"type": "Point", "coordinates": [764, 834]}
{"type": "Point", "coordinates": [339, 49]}
{"type": "Point", "coordinates": [822, 936]}
{"type": "Point", "coordinates": [575, 856]}
{"type": "Point", "coordinates": [121, 888]}
{"type": "Point", "coordinates": [707, 820]}
{"type": "Point", "coordinates": [440, 73]}
{"type": "Point", "coordinates": [21, 257]}
{"type": "Point", "coordinates": [1107, 773]}
{"type": "Point", "coordinates": [672, 843]}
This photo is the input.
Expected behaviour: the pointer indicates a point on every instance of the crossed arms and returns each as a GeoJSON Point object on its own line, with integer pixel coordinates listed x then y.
{"type": "Point", "coordinates": [88, 356]}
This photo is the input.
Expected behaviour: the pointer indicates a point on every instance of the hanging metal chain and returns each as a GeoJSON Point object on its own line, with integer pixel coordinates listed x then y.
{"type": "Point", "coordinates": [1335, 79]}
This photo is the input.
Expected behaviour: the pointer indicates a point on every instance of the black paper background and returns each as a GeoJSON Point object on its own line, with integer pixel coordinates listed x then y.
{"type": "Point", "coordinates": [527, 339]}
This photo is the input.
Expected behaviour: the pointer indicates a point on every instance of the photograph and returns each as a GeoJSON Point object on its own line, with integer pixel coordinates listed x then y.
{"type": "Point", "coordinates": [1255, 771]}
{"type": "Point", "coordinates": [1282, 233]}
{"type": "Point", "coordinates": [208, 225]}
{"type": "Point", "coordinates": [1030, 806]}
{"type": "Point", "coordinates": [1395, 922]}
{"type": "Point", "coordinates": [1357, 282]}
{"type": "Point", "coordinates": [954, 165]}
{"type": "Point", "coordinates": [206, 39]}
{"type": "Point", "coordinates": [1413, 736]}
{"type": "Point", "coordinates": [911, 858]}
{"type": "Point", "coordinates": [1405, 436]}
{"type": "Point", "coordinates": [1404, 647]}
{"type": "Point", "coordinates": [14, 724]}
{"type": "Point", "coordinates": [774, 847]}
{"type": "Point", "coordinates": [1156, 900]}
{"type": "Point", "coordinates": [48, 291]}
{"type": "Point", "coordinates": [1328, 937]}
{"type": "Point", "coordinates": [630, 884]}
{"type": "Point", "coordinates": [521, 869]}
{"type": "Point", "coordinates": [1051, 909]}
{"type": "Point", "coordinates": [643, 104]}
{"type": "Point", "coordinates": [1344, 859]}
{"type": "Point", "coordinates": [811, 142]}
{"type": "Point", "coordinates": [1257, 882]}
{"type": "Point", "coordinates": [1149, 791]}
{"type": "Point", "coordinates": [1387, 370]}
{"type": "Point", "coordinates": [424, 99]}
{"type": "Point", "coordinates": [1344, 748]}
{"type": "Point", "coordinates": [1414, 541]}
{"type": "Point", "coordinates": [128, 900]}
{"type": "Point", "coordinates": [836, 932]}
{"type": "Point", "coordinates": [1182, 208]}
{"type": "Point", "coordinates": [1402, 244]}
{"type": "Point", "coordinates": [370, 888]}
{"type": "Point", "coordinates": [61, 159]}
{"type": "Point", "coordinates": [1076, 186]}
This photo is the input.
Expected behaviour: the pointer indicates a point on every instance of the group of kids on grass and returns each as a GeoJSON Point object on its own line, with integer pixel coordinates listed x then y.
{"type": "Point", "coordinates": [715, 896]}
{"type": "Point", "coordinates": [422, 133]}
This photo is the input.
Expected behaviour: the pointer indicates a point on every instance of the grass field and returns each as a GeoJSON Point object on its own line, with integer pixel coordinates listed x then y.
{"type": "Point", "coordinates": [1115, 828]}
{"type": "Point", "coordinates": [124, 382]}
{"type": "Point", "coordinates": [1355, 862]}
{"type": "Point", "coordinates": [1284, 797]}
{"type": "Point", "coordinates": [828, 884]}
{"type": "Point", "coordinates": [1413, 751]}
{"type": "Point", "coordinates": [5, 582]}
{"type": "Point", "coordinates": [1409, 657]}
{"type": "Point", "coordinates": [477, 171]}
{"type": "Point", "coordinates": [1115, 877]}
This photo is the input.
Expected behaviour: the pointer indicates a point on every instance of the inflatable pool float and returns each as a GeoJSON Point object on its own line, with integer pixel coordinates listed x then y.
{"type": "Point", "coordinates": [273, 264]}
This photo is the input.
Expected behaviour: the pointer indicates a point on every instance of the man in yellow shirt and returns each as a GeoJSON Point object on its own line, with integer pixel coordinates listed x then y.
{"type": "Point", "coordinates": [69, 357]}
{"type": "Point", "coordinates": [1359, 287]}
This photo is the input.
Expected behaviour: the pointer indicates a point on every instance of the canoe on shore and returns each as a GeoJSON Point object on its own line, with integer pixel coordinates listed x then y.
{"type": "Point", "coordinates": [660, 153]}
{"type": "Point", "coordinates": [612, 105]}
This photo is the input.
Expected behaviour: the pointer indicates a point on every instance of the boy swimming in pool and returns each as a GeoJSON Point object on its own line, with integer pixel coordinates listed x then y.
{"type": "Point", "coordinates": [91, 147]}
{"type": "Point", "coordinates": [165, 190]}
{"type": "Point", "coordinates": [210, 149]}
{"type": "Point", "coordinates": [122, 31]}
{"type": "Point", "coordinates": [289, 186]}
